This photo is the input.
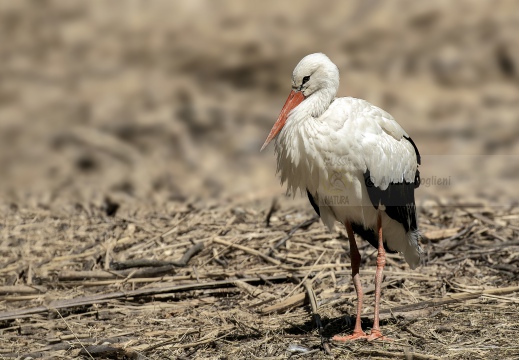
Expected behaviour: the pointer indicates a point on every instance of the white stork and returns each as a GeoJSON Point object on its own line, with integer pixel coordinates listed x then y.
{"type": "Point", "coordinates": [357, 166]}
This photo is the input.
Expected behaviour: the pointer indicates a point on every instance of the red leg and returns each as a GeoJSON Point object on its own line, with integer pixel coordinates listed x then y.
{"type": "Point", "coordinates": [381, 261]}
{"type": "Point", "coordinates": [355, 264]}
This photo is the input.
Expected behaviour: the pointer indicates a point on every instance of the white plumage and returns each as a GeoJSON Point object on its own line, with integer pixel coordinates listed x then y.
{"type": "Point", "coordinates": [352, 158]}
{"type": "Point", "coordinates": [328, 155]}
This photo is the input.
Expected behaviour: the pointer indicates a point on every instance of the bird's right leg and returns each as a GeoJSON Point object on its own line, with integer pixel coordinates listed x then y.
{"type": "Point", "coordinates": [381, 261]}
{"type": "Point", "coordinates": [355, 265]}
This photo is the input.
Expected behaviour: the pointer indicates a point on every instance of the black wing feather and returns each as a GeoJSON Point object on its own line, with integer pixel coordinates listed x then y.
{"type": "Point", "coordinates": [313, 203]}
{"type": "Point", "coordinates": [418, 158]}
{"type": "Point", "coordinates": [398, 198]}
{"type": "Point", "coordinates": [418, 161]}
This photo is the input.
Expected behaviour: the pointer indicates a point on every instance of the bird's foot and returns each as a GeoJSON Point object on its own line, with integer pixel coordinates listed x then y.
{"type": "Point", "coordinates": [355, 336]}
{"type": "Point", "coordinates": [377, 335]}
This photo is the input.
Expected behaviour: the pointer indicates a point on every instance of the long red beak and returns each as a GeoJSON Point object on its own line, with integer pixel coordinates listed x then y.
{"type": "Point", "coordinates": [295, 98]}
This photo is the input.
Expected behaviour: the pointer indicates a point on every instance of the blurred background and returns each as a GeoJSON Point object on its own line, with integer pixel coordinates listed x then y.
{"type": "Point", "coordinates": [161, 101]}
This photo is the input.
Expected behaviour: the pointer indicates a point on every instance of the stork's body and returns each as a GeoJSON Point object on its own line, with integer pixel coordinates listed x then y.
{"type": "Point", "coordinates": [357, 165]}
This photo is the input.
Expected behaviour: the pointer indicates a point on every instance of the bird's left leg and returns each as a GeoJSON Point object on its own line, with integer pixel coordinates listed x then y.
{"type": "Point", "coordinates": [381, 261]}
{"type": "Point", "coordinates": [355, 264]}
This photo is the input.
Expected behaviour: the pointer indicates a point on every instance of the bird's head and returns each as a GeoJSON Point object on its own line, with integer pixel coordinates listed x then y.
{"type": "Point", "coordinates": [314, 74]}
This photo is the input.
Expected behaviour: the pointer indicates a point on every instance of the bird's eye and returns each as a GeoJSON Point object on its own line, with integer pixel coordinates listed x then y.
{"type": "Point", "coordinates": [305, 79]}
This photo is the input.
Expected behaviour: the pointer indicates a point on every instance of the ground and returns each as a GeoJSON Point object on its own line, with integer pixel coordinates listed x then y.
{"type": "Point", "coordinates": [218, 317]}
{"type": "Point", "coordinates": [139, 221]}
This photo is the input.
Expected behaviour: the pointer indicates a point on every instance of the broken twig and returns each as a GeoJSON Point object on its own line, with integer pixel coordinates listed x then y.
{"type": "Point", "coordinates": [192, 251]}
{"type": "Point", "coordinates": [281, 242]}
